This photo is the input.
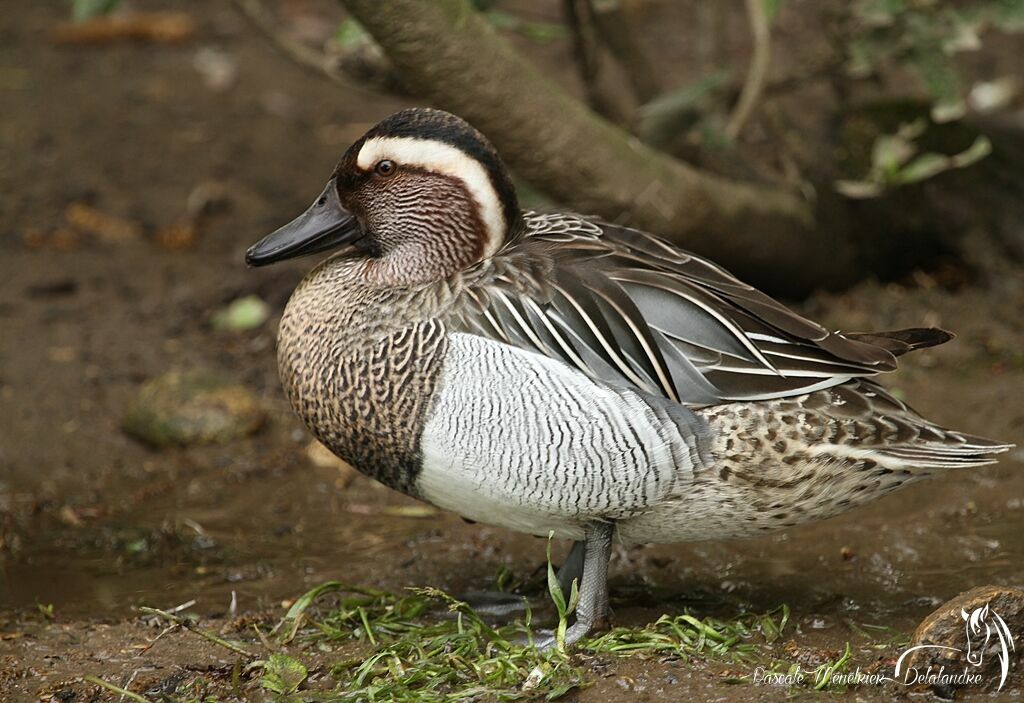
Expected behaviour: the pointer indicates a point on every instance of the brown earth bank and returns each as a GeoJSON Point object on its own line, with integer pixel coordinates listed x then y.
{"type": "Point", "coordinates": [94, 523]}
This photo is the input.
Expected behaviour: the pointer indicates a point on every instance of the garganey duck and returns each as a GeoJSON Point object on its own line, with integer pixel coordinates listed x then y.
{"type": "Point", "coordinates": [553, 373]}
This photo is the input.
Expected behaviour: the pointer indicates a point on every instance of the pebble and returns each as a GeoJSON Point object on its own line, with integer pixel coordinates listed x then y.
{"type": "Point", "coordinates": [192, 407]}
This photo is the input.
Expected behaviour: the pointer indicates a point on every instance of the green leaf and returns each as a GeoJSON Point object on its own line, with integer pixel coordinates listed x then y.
{"type": "Point", "coordinates": [350, 34]}
{"type": "Point", "coordinates": [891, 151]}
{"type": "Point", "coordinates": [912, 129]}
{"type": "Point", "coordinates": [879, 13]}
{"type": "Point", "coordinates": [558, 598]}
{"type": "Point", "coordinates": [677, 111]}
{"type": "Point", "coordinates": [554, 588]}
{"type": "Point", "coordinates": [860, 60]}
{"type": "Point", "coordinates": [574, 597]}
{"type": "Point", "coordinates": [771, 9]}
{"type": "Point", "coordinates": [242, 314]}
{"type": "Point", "coordinates": [963, 35]}
{"type": "Point", "coordinates": [502, 20]}
{"type": "Point", "coordinates": [542, 31]}
{"type": "Point", "coordinates": [825, 673]}
{"type": "Point", "coordinates": [82, 10]}
{"type": "Point", "coordinates": [301, 604]}
{"type": "Point", "coordinates": [930, 164]}
{"type": "Point", "coordinates": [282, 674]}
{"type": "Point", "coordinates": [769, 628]}
{"type": "Point", "coordinates": [45, 609]}
{"type": "Point", "coordinates": [561, 690]}
{"type": "Point", "coordinates": [859, 190]}
{"type": "Point", "coordinates": [924, 167]}
{"type": "Point", "coordinates": [538, 31]}
{"type": "Point", "coordinates": [1008, 15]}
{"type": "Point", "coordinates": [504, 577]}
{"type": "Point", "coordinates": [948, 111]}
{"type": "Point", "coordinates": [981, 148]}
{"type": "Point", "coordinates": [943, 83]}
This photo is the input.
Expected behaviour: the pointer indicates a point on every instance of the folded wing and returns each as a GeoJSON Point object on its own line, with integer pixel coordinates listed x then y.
{"type": "Point", "coordinates": [627, 308]}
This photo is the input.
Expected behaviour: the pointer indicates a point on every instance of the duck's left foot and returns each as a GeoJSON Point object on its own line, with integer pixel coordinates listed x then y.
{"type": "Point", "coordinates": [495, 603]}
{"type": "Point", "coordinates": [503, 605]}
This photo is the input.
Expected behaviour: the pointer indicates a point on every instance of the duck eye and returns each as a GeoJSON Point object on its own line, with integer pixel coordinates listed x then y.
{"type": "Point", "coordinates": [386, 167]}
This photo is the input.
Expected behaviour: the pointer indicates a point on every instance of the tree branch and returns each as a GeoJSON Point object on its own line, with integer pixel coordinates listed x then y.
{"type": "Point", "coordinates": [760, 30]}
{"type": "Point", "coordinates": [456, 59]}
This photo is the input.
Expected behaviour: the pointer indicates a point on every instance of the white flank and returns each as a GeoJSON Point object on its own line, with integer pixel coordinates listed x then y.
{"type": "Point", "coordinates": [522, 441]}
{"type": "Point", "coordinates": [443, 158]}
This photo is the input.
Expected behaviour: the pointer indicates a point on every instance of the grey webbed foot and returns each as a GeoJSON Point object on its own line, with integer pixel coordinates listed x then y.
{"type": "Point", "coordinates": [495, 603]}
{"type": "Point", "coordinates": [544, 639]}
{"type": "Point", "coordinates": [502, 604]}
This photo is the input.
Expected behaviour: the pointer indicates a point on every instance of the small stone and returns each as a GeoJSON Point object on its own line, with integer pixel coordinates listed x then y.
{"type": "Point", "coordinates": [218, 68]}
{"type": "Point", "coordinates": [194, 407]}
{"type": "Point", "coordinates": [992, 613]}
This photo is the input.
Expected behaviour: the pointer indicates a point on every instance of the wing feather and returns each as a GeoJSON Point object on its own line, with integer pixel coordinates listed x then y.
{"type": "Point", "coordinates": [629, 309]}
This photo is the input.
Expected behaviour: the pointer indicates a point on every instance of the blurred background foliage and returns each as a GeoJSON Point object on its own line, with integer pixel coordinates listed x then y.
{"type": "Point", "coordinates": [927, 35]}
{"type": "Point", "coordinates": [923, 36]}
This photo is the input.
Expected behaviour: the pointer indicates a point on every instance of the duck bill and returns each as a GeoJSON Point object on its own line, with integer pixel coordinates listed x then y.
{"type": "Point", "coordinates": [325, 225]}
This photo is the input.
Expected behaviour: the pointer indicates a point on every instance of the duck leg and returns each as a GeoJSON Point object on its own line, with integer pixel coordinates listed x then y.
{"type": "Point", "coordinates": [592, 610]}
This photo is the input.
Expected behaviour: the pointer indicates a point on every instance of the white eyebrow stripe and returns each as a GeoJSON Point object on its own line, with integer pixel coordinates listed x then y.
{"type": "Point", "coordinates": [443, 158]}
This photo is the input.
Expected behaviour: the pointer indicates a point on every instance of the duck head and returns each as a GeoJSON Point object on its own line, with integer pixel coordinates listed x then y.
{"type": "Point", "coordinates": [420, 196]}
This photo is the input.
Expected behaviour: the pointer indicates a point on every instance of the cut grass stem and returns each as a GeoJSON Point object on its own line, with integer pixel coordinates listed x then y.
{"type": "Point", "coordinates": [411, 655]}
{"type": "Point", "coordinates": [190, 626]}
{"type": "Point", "coordinates": [116, 689]}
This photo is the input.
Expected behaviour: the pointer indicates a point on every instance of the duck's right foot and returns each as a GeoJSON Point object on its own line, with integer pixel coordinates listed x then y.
{"type": "Point", "coordinates": [592, 610]}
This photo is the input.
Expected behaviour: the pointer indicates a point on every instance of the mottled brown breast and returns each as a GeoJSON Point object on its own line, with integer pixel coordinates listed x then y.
{"type": "Point", "coordinates": [361, 379]}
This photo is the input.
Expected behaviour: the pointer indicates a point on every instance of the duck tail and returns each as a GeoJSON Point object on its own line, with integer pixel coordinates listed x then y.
{"type": "Point", "coordinates": [954, 450]}
{"type": "Point", "coordinates": [899, 342]}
